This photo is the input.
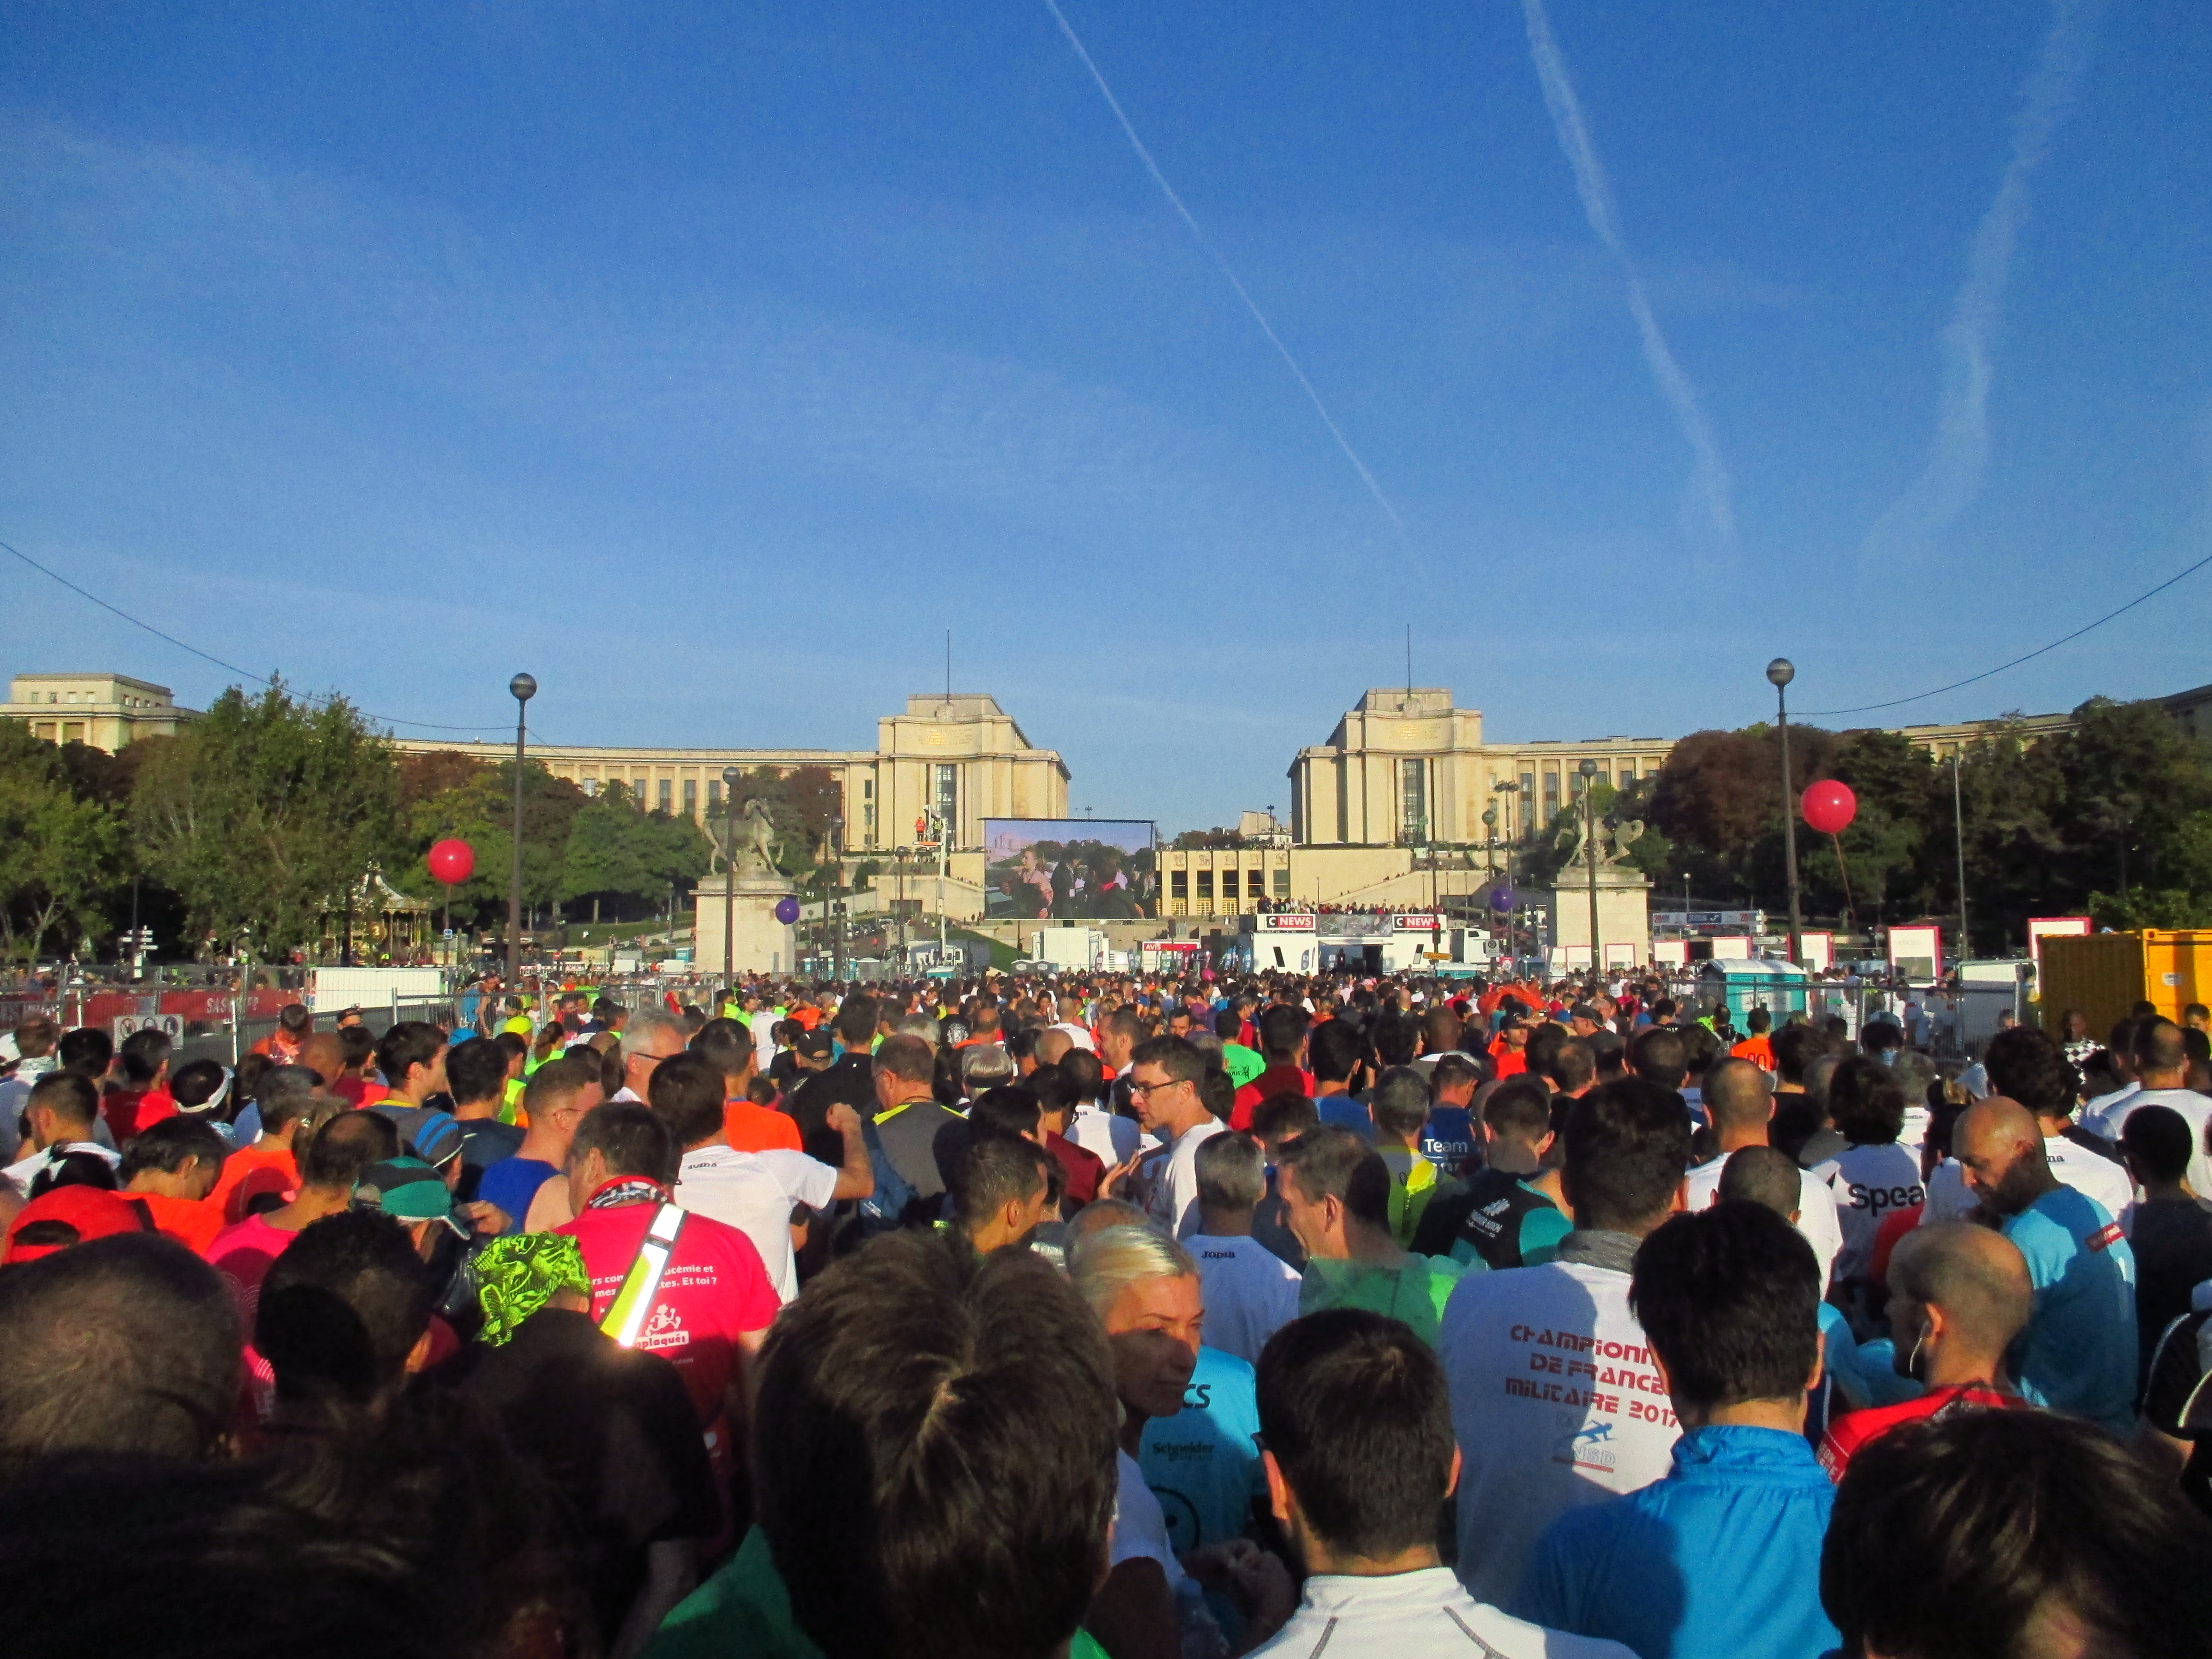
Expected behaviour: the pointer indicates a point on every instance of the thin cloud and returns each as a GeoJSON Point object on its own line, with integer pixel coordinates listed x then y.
{"type": "Point", "coordinates": [1959, 454]}
{"type": "Point", "coordinates": [1215, 254]}
{"type": "Point", "coordinates": [1708, 477]}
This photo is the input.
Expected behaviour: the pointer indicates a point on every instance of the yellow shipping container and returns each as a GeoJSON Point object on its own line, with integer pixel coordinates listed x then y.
{"type": "Point", "coordinates": [2105, 975]}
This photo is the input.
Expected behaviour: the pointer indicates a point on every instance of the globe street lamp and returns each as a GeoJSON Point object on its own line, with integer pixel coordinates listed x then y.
{"type": "Point", "coordinates": [729, 878]}
{"type": "Point", "coordinates": [524, 688]}
{"type": "Point", "coordinates": [1588, 770]}
{"type": "Point", "coordinates": [1779, 673]}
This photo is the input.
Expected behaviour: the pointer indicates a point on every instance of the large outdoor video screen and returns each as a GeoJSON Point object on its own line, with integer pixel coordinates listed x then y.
{"type": "Point", "coordinates": [1070, 870]}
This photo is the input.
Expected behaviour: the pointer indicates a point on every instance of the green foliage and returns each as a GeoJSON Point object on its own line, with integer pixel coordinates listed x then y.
{"type": "Point", "coordinates": [605, 849]}
{"type": "Point", "coordinates": [480, 810]}
{"type": "Point", "coordinates": [2113, 818]}
{"type": "Point", "coordinates": [62, 851]}
{"type": "Point", "coordinates": [615, 851]}
{"type": "Point", "coordinates": [2140, 907]}
{"type": "Point", "coordinates": [264, 814]}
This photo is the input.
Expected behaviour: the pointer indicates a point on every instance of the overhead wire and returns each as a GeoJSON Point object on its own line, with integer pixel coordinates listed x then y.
{"type": "Point", "coordinates": [1922, 697]}
{"type": "Point", "coordinates": [249, 674]}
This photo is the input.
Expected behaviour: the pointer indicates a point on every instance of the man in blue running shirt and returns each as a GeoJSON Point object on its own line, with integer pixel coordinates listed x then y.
{"type": "Point", "coordinates": [1721, 1559]}
{"type": "Point", "coordinates": [2079, 1353]}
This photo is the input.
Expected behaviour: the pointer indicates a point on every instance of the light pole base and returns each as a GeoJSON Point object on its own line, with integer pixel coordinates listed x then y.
{"type": "Point", "coordinates": [759, 943]}
{"type": "Point", "coordinates": [1624, 918]}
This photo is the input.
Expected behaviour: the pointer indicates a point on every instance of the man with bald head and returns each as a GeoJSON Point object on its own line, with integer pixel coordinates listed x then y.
{"type": "Point", "coordinates": [1740, 1102]}
{"type": "Point", "coordinates": [324, 1054]}
{"type": "Point", "coordinates": [1958, 1295]}
{"type": "Point", "coordinates": [2078, 1353]}
{"type": "Point", "coordinates": [1052, 1046]}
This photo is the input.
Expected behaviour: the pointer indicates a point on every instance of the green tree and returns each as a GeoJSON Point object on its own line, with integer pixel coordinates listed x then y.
{"type": "Point", "coordinates": [619, 853]}
{"type": "Point", "coordinates": [476, 805]}
{"type": "Point", "coordinates": [2132, 779]}
{"type": "Point", "coordinates": [62, 852]}
{"type": "Point", "coordinates": [2010, 791]}
{"type": "Point", "coordinates": [265, 815]}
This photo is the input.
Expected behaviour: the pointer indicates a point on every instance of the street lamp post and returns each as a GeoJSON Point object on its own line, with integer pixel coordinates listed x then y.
{"type": "Point", "coordinates": [1588, 770]}
{"type": "Point", "coordinates": [1959, 826]}
{"type": "Point", "coordinates": [1779, 673]}
{"type": "Point", "coordinates": [729, 878]}
{"type": "Point", "coordinates": [837, 898]}
{"type": "Point", "coordinates": [524, 688]}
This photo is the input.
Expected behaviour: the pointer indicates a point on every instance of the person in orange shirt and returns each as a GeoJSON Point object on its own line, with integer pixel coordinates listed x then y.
{"type": "Point", "coordinates": [293, 1022]}
{"type": "Point", "coordinates": [727, 1045]}
{"type": "Point", "coordinates": [173, 1167]}
{"type": "Point", "coordinates": [1757, 1048]}
{"type": "Point", "coordinates": [266, 1166]}
{"type": "Point", "coordinates": [1510, 1047]}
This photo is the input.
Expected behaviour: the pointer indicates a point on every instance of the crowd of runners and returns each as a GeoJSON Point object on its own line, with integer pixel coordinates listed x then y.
{"type": "Point", "coordinates": [1104, 1315]}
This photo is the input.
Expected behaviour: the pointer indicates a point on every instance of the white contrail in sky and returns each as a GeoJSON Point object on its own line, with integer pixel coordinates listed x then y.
{"type": "Point", "coordinates": [1959, 454]}
{"type": "Point", "coordinates": [1214, 254]}
{"type": "Point", "coordinates": [1709, 478]}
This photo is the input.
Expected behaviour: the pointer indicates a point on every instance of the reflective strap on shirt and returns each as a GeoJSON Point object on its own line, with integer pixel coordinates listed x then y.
{"type": "Point", "coordinates": [641, 1286]}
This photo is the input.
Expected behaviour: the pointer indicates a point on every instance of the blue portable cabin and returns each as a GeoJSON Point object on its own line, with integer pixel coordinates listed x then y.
{"type": "Point", "coordinates": [1780, 986]}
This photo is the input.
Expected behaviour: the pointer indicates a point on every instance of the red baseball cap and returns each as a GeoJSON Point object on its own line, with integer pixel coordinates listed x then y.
{"type": "Point", "coordinates": [90, 1211]}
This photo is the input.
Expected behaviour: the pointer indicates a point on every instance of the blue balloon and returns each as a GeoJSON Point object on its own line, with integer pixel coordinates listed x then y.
{"type": "Point", "coordinates": [1502, 899]}
{"type": "Point", "coordinates": [787, 909]}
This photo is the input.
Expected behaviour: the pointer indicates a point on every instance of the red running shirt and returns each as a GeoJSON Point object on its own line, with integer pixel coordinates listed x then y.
{"type": "Point", "coordinates": [1853, 1430]}
{"type": "Point", "coordinates": [715, 1291]}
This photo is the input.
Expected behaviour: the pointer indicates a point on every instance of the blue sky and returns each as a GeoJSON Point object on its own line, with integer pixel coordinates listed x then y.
{"type": "Point", "coordinates": [710, 362]}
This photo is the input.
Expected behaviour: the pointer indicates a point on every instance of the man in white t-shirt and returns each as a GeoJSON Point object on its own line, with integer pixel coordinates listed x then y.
{"type": "Point", "coordinates": [1165, 1074]}
{"type": "Point", "coordinates": [1332, 1385]}
{"type": "Point", "coordinates": [1110, 1138]}
{"type": "Point", "coordinates": [1739, 1101]}
{"type": "Point", "coordinates": [754, 1192]}
{"type": "Point", "coordinates": [1555, 1402]}
{"type": "Point", "coordinates": [2161, 1064]}
{"type": "Point", "coordinates": [1250, 1292]}
{"type": "Point", "coordinates": [64, 1106]}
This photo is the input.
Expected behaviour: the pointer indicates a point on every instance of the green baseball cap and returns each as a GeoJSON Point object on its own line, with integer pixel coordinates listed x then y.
{"type": "Point", "coordinates": [407, 1189]}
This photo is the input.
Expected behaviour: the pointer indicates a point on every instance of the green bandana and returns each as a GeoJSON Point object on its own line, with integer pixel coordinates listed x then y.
{"type": "Point", "coordinates": [519, 1274]}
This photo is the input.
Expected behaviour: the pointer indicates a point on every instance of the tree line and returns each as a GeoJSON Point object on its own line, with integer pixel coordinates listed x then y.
{"type": "Point", "coordinates": [244, 834]}
{"type": "Point", "coordinates": [2111, 818]}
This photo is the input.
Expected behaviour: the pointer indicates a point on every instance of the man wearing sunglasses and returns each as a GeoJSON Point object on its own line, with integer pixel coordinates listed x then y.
{"type": "Point", "coordinates": [1165, 1074]}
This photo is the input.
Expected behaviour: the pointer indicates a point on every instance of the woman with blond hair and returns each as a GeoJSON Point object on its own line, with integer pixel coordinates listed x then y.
{"type": "Point", "coordinates": [1144, 1288]}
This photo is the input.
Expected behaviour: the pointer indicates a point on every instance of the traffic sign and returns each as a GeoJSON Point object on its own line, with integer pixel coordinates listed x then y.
{"type": "Point", "coordinates": [172, 1025]}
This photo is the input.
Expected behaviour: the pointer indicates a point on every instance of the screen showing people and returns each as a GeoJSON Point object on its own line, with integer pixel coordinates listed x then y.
{"type": "Point", "coordinates": [1070, 869]}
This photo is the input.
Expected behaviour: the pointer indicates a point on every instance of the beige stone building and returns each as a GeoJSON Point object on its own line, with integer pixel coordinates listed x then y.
{"type": "Point", "coordinates": [961, 755]}
{"type": "Point", "coordinates": [106, 711]}
{"type": "Point", "coordinates": [1390, 811]}
{"type": "Point", "coordinates": [1407, 768]}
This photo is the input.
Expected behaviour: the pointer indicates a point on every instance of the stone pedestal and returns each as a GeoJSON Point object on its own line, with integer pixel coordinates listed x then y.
{"type": "Point", "coordinates": [1624, 916]}
{"type": "Point", "coordinates": [763, 945]}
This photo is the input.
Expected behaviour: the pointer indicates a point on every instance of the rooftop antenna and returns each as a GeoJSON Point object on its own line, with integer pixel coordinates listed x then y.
{"type": "Point", "coordinates": [948, 672]}
{"type": "Point", "coordinates": [1408, 703]}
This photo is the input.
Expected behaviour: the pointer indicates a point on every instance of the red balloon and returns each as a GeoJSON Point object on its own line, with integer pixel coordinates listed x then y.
{"type": "Point", "coordinates": [1830, 806]}
{"type": "Point", "coordinates": [452, 861]}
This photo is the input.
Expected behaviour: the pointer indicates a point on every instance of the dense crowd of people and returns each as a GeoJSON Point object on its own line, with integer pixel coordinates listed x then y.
{"type": "Point", "coordinates": [1111, 1316]}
